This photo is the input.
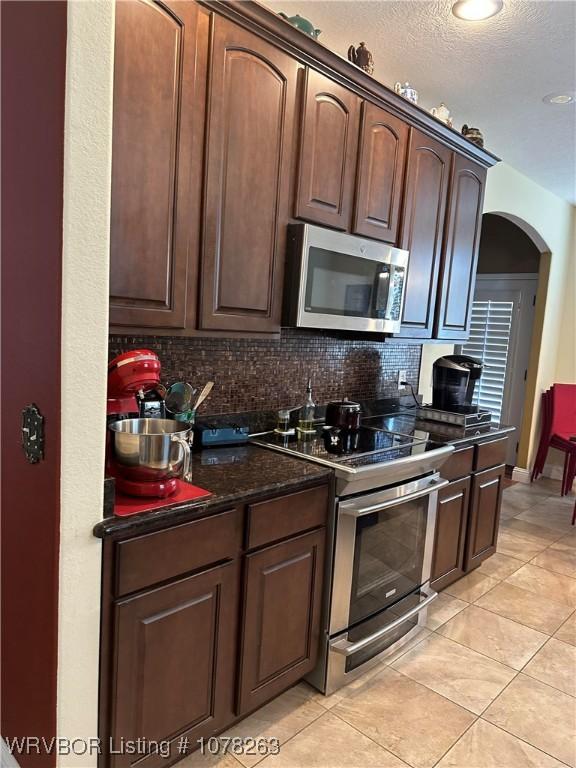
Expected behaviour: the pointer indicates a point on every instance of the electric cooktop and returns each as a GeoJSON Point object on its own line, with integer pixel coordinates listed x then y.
{"type": "Point", "coordinates": [364, 458]}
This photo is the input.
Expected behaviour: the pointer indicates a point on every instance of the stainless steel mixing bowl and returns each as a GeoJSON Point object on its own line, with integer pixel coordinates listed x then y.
{"type": "Point", "coordinates": [150, 449]}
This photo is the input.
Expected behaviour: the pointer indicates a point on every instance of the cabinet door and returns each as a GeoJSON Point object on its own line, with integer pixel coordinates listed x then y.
{"type": "Point", "coordinates": [380, 178]}
{"type": "Point", "coordinates": [175, 661]}
{"type": "Point", "coordinates": [282, 612]}
{"type": "Point", "coordinates": [423, 224]}
{"type": "Point", "coordinates": [151, 206]}
{"type": "Point", "coordinates": [450, 534]}
{"type": "Point", "coordinates": [460, 256]}
{"type": "Point", "coordinates": [252, 97]}
{"type": "Point", "coordinates": [484, 516]}
{"type": "Point", "coordinates": [328, 150]}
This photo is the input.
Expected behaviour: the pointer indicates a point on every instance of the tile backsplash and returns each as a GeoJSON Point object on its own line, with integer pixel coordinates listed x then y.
{"type": "Point", "coordinates": [266, 374]}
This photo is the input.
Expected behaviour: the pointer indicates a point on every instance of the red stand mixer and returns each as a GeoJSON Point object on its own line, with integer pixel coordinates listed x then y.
{"type": "Point", "coordinates": [145, 455]}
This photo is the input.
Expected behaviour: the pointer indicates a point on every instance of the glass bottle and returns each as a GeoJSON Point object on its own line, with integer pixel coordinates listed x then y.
{"type": "Point", "coordinates": [307, 413]}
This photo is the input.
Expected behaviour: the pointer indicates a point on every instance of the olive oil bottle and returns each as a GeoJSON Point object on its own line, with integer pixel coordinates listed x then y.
{"type": "Point", "coordinates": [307, 413]}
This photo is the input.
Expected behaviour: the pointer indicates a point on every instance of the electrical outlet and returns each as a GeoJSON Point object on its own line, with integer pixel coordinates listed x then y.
{"type": "Point", "coordinates": [401, 378]}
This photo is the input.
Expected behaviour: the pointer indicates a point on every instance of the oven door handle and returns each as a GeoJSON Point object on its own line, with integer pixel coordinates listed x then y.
{"type": "Point", "coordinates": [346, 648]}
{"type": "Point", "coordinates": [354, 508]}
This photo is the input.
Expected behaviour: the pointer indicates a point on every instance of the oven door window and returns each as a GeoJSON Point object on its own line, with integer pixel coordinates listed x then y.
{"type": "Point", "coordinates": [388, 557]}
{"type": "Point", "coordinates": [349, 286]}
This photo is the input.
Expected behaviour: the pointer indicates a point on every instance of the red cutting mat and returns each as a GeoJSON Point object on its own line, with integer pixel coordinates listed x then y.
{"type": "Point", "coordinates": [125, 506]}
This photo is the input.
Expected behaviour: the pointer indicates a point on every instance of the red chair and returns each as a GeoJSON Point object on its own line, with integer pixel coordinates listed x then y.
{"type": "Point", "coordinates": [542, 452]}
{"type": "Point", "coordinates": [558, 431]}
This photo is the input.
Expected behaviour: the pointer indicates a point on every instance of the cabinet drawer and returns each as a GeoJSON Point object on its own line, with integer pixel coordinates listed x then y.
{"type": "Point", "coordinates": [490, 454]}
{"type": "Point", "coordinates": [285, 516]}
{"type": "Point", "coordinates": [459, 464]}
{"type": "Point", "coordinates": [156, 557]}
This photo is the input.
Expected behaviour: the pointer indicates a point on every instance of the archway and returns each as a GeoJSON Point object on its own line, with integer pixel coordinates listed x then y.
{"type": "Point", "coordinates": [511, 246]}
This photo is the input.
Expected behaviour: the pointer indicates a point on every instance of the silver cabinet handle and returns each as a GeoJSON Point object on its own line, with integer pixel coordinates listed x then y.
{"type": "Point", "coordinates": [355, 511]}
{"type": "Point", "coordinates": [346, 648]}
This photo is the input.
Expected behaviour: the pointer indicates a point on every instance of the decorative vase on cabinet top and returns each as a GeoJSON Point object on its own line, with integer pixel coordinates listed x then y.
{"type": "Point", "coordinates": [362, 57]}
{"type": "Point", "coordinates": [442, 113]}
{"type": "Point", "coordinates": [407, 92]}
{"type": "Point", "coordinates": [302, 24]}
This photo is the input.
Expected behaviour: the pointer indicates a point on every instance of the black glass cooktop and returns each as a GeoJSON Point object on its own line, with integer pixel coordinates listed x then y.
{"type": "Point", "coordinates": [395, 422]}
{"type": "Point", "coordinates": [354, 448]}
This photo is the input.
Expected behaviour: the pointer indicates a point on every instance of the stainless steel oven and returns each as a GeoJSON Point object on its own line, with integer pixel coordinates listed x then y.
{"type": "Point", "coordinates": [340, 281]}
{"type": "Point", "coordinates": [381, 575]}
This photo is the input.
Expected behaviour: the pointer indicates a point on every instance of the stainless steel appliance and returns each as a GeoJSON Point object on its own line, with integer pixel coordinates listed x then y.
{"type": "Point", "coordinates": [146, 451]}
{"type": "Point", "coordinates": [460, 418]}
{"type": "Point", "coordinates": [382, 538]}
{"type": "Point", "coordinates": [340, 281]}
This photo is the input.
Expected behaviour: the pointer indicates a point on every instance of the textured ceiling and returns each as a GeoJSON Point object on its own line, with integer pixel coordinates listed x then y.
{"type": "Point", "coordinates": [491, 74]}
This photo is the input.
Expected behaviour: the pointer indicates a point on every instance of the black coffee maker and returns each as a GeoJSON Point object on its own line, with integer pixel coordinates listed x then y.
{"type": "Point", "coordinates": [453, 381]}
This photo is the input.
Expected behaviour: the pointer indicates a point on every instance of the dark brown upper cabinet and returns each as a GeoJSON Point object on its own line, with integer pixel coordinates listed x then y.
{"type": "Point", "coordinates": [174, 662]}
{"type": "Point", "coordinates": [250, 124]}
{"type": "Point", "coordinates": [328, 150]}
{"type": "Point", "coordinates": [422, 229]}
{"type": "Point", "coordinates": [152, 141]}
{"type": "Point", "coordinates": [380, 174]}
{"type": "Point", "coordinates": [460, 255]}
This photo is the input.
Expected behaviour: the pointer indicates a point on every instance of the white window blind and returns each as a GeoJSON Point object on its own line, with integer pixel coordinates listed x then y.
{"type": "Point", "coordinates": [489, 342]}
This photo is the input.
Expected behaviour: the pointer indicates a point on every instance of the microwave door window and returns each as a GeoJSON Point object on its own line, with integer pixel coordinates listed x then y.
{"type": "Point", "coordinates": [339, 284]}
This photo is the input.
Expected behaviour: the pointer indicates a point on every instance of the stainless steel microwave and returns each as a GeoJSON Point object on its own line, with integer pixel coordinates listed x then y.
{"type": "Point", "coordinates": [343, 282]}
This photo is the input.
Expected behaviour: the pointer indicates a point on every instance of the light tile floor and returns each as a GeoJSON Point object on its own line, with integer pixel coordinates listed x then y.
{"type": "Point", "coordinates": [491, 683]}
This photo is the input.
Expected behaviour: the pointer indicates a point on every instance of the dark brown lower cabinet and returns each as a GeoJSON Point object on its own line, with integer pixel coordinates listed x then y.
{"type": "Point", "coordinates": [175, 662]}
{"type": "Point", "coordinates": [282, 611]}
{"type": "Point", "coordinates": [450, 535]}
{"type": "Point", "coordinates": [484, 516]}
{"type": "Point", "coordinates": [233, 621]}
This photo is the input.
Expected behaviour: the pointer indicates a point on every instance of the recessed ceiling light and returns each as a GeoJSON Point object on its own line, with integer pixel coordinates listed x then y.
{"type": "Point", "coordinates": [559, 98]}
{"type": "Point", "coordinates": [477, 10]}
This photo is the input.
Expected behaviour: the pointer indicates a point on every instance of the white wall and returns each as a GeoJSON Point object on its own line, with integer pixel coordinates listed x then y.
{"type": "Point", "coordinates": [87, 169]}
{"type": "Point", "coordinates": [430, 353]}
{"type": "Point", "coordinates": [566, 356]}
{"type": "Point", "coordinates": [554, 219]}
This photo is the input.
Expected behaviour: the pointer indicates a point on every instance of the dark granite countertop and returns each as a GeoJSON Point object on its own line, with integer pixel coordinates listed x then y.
{"type": "Point", "coordinates": [232, 474]}
{"type": "Point", "coordinates": [245, 472]}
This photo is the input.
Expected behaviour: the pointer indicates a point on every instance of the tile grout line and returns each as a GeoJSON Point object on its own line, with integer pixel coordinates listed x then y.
{"type": "Point", "coordinates": [476, 718]}
{"type": "Point", "coordinates": [509, 733]}
{"type": "Point", "coordinates": [523, 670]}
{"type": "Point", "coordinates": [481, 717]}
{"type": "Point", "coordinates": [386, 749]}
{"type": "Point", "coordinates": [485, 655]}
{"type": "Point", "coordinates": [307, 725]}
{"type": "Point", "coordinates": [564, 622]}
{"type": "Point", "coordinates": [385, 665]}
{"type": "Point", "coordinates": [476, 714]}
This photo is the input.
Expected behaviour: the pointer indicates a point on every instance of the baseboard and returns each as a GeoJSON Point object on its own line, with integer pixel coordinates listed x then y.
{"type": "Point", "coordinates": [552, 471]}
{"type": "Point", "coordinates": [520, 475]}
